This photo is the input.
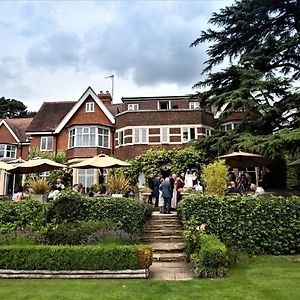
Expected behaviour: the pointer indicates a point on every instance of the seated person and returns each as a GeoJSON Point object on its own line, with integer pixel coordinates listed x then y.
{"type": "Point", "coordinates": [258, 190]}
{"type": "Point", "coordinates": [129, 192]}
{"type": "Point", "coordinates": [231, 189]}
{"type": "Point", "coordinates": [54, 193]}
{"type": "Point", "coordinates": [19, 194]}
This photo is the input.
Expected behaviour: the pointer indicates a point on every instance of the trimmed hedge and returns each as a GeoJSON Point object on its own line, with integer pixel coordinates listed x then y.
{"type": "Point", "coordinates": [251, 224]}
{"type": "Point", "coordinates": [75, 257]}
{"type": "Point", "coordinates": [129, 214]}
{"type": "Point", "coordinates": [29, 214]}
{"type": "Point", "coordinates": [211, 259]}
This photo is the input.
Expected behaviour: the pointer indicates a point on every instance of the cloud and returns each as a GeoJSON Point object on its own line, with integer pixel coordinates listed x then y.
{"type": "Point", "coordinates": [151, 41]}
{"type": "Point", "coordinates": [56, 51]}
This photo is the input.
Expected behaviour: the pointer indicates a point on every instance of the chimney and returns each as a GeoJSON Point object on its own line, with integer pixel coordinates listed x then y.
{"type": "Point", "coordinates": [105, 97]}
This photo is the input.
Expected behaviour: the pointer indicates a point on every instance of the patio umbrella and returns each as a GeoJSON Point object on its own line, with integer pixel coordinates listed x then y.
{"type": "Point", "coordinates": [101, 161]}
{"type": "Point", "coordinates": [4, 166]}
{"type": "Point", "coordinates": [244, 160]}
{"type": "Point", "coordinates": [36, 165]}
{"type": "Point", "coordinates": [295, 163]}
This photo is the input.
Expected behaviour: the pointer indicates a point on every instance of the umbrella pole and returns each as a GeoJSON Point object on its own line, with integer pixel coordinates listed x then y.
{"type": "Point", "coordinates": [14, 183]}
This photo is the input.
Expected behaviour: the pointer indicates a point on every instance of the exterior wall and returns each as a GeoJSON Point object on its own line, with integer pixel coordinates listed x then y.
{"type": "Point", "coordinates": [153, 121]}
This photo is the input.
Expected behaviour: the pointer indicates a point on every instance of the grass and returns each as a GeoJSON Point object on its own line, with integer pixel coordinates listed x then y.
{"type": "Point", "coordinates": [263, 277]}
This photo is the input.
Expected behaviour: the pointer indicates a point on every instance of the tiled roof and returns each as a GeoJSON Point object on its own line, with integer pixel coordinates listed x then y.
{"type": "Point", "coordinates": [19, 126]}
{"type": "Point", "coordinates": [158, 98]}
{"type": "Point", "coordinates": [50, 115]}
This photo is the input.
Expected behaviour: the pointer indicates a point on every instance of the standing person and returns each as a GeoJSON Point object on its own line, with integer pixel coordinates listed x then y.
{"type": "Point", "coordinates": [165, 187]}
{"type": "Point", "coordinates": [156, 183]}
{"type": "Point", "coordinates": [179, 184]}
{"type": "Point", "coordinates": [161, 199]}
{"type": "Point", "coordinates": [174, 193]}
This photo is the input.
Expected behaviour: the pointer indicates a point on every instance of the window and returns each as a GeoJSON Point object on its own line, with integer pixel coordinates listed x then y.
{"type": "Point", "coordinates": [164, 105]}
{"type": "Point", "coordinates": [194, 105]}
{"type": "Point", "coordinates": [89, 137]}
{"type": "Point", "coordinates": [46, 143]}
{"type": "Point", "coordinates": [140, 136]}
{"type": "Point", "coordinates": [89, 107]}
{"type": "Point", "coordinates": [188, 134]}
{"type": "Point", "coordinates": [121, 137]}
{"type": "Point", "coordinates": [229, 126]}
{"type": "Point", "coordinates": [85, 177]}
{"type": "Point", "coordinates": [133, 107]}
{"type": "Point", "coordinates": [164, 135]}
{"type": "Point", "coordinates": [207, 131]}
{"type": "Point", "coordinates": [8, 151]}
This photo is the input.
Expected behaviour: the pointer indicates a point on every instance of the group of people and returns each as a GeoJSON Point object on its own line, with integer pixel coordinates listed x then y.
{"type": "Point", "coordinates": [243, 184]}
{"type": "Point", "coordinates": [165, 192]}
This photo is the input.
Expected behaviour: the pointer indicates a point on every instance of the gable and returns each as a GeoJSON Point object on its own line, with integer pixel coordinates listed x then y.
{"type": "Point", "coordinates": [78, 115]}
{"type": "Point", "coordinates": [6, 133]}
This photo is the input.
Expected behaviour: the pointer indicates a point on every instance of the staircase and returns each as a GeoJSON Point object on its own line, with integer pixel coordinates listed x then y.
{"type": "Point", "coordinates": [164, 234]}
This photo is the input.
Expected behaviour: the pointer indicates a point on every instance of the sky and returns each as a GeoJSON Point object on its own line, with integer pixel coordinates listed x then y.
{"type": "Point", "coordinates": [54, 50]}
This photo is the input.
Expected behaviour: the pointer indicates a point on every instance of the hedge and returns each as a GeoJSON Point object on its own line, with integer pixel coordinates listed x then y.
{"type": "Point", "coordinates": [29, 214]}
{"type": "Point", "coordinates": [251, 224]}
{"type": "Point", "coordinates": [75, 257]}
{"type": "Point", "coordinates": [211, 258]}
{"type": "Point", "coordinates": [130, 214]}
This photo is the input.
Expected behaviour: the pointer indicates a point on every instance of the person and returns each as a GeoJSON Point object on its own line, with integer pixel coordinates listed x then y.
{"type": "Point", "coordinates": [258, 190]}
{"type": "Point", "coordinates": [59, 184]}
{"type": "Point", "coordinates": [172, 180]}
{"type": "Point", "coordinates": [179, 184]}
{"type": "Point", "coordinates": [92, 192]}
{"type": "Point", "coordinates": [161, 199]}
{"type": "Point", "coordinates": [19, 194]}
{"type": "Point", "coordinates": [54, 193]}
{"type": "Point", "coordinates": [165, 187]}
{"type": "Point", "coordinates": [242, 182]}
{"type": "Point", "coordinates": [155, 189]}
{"type": "Point", "coordinates": [231, 189]}
{"type": "Point", "coordinates": [129, 193]}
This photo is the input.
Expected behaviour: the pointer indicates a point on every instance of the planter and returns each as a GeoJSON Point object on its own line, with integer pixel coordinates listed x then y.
{"type": "Point", "coordinates": [42, 197]}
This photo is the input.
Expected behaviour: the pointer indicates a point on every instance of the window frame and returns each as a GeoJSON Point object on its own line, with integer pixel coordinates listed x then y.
{"type": "Point", "coordinates": [194, 105]}
{"type": "Point", "coordinates": [140, 135]}
{"type": "Point", "coordinates": [89, 107]}
{"type": "Point", "coordinates": [89, 136]}
{"type": "Point", "coordinates": [166, 134]}
{"type": "Point", "coordinates": [189, 134]}
{"type": "Point", "coordinates": [47, 138]}
{"type": "Point", "coordinates": [12, 150]}
{"type": "Point", "coordinates": [133, 106]}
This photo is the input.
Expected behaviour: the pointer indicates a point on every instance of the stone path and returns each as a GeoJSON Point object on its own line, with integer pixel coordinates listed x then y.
{"type": "Point", "coordinates": [164, 234]}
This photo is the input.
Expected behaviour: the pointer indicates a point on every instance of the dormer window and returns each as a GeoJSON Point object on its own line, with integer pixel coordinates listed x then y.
{"type": "Point", "coordinates": [194, 105]}
{"type": "Point", "coordinates": [89, 107]}
{"type": "Point", "coordinates": [134, 106]}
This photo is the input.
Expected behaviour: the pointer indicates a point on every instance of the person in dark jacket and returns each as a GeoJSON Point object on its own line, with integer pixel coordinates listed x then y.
{"type": "Point", "coordinates": [166, 189]}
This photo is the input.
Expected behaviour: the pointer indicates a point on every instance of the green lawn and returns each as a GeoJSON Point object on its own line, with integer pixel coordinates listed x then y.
{"type": "Point", "coordinates": [264, 277]}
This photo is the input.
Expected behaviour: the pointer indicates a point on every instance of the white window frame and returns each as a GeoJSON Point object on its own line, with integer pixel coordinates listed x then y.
{"type": "Point", "coordinates": [229, 126]}
{"type": "Point", "coordinates": [169, 104]}
{"type": "Point", "coordinates": [9, 151]}
{"type": "Point", "coordinates": [194, 105]}
{"type": "Point", "coordinates": [46, 143]}
{"type": "Point", "coordinates": [165, 135]}
{"type": "Point", "coordinates": [140, 135]}
{"type": "Point", "coordinates": [208, 131]}
{"type": "Point", "coordinates": [89, 107]}
{"type": "Point", "coordinates": [188, 138]}
{"type": "Point", "coordinates": [133, 106]}
{"type": "Point", "coordinates": [85, 177]}
{"type": "Point", "coordinates": [89, 136]}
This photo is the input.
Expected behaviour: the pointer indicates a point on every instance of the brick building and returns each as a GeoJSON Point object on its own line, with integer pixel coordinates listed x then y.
{"type": "Point", "coordinates": [94, 125]}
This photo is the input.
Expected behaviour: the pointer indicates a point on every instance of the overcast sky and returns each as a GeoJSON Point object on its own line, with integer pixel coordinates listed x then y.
{"type": "Point", "coordinates": [54, 50]}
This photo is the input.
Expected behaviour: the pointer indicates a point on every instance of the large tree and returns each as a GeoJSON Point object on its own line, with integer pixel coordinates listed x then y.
{"type": "Point", "coordinates": [259, 41]}
{"type": "Point", "coordinates": [11, 108]}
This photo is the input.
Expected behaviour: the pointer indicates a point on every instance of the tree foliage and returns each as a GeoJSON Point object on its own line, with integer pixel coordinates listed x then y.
{"type": "Point", "coordinates": [261, 40]}
{"type": "Point", "coordinates": [11, 108]}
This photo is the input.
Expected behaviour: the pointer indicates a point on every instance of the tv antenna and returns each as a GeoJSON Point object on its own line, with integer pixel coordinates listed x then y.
{"type": "Point", "coordinates": [112, 76]}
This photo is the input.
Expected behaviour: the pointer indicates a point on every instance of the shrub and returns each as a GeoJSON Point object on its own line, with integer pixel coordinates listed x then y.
{"type": "Point", "coordinates": [211, 259]}
{"type": "Point", "coordinates": [39, 185]}
{"type": "Point", "coordinates": [74, 233]}
{"type": "Point", "coordinates": [21, 237]}
{"type": "Point", "coordinates": [116, 183]}
{"type": "Point", "coordinates": [75, 257]}
{"type": "Point", "coordinates": [215, 177]}
{"type": "Point", "coordinates": [250, 224]}
{"type": "Point", "coordinates": [28, 214]}
{"type": "Point", "coordinates": [129, 214]}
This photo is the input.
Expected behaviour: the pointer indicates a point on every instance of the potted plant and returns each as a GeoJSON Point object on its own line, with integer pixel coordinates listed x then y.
{"type": "Point", "coordinates": [40, 188]}
{"type": "Point", "coordinates": [116, 184]}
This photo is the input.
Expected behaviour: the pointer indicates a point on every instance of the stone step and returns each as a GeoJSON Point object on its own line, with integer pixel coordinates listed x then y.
{"type": "Point", "coordinates": [169, 257]}
{"type": "Point", "coordinates": [163, 222]}
{"type": "Point", "coordinates": [164, 217]}
{"type": "Point", "coordinates": [153, 233]}
{"type": "Point", "coordinates": [161, 239]}
{"type": "Point", "coordinates": [162, 227]}
{"type": "Point", "coordinates": [167, 247]}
